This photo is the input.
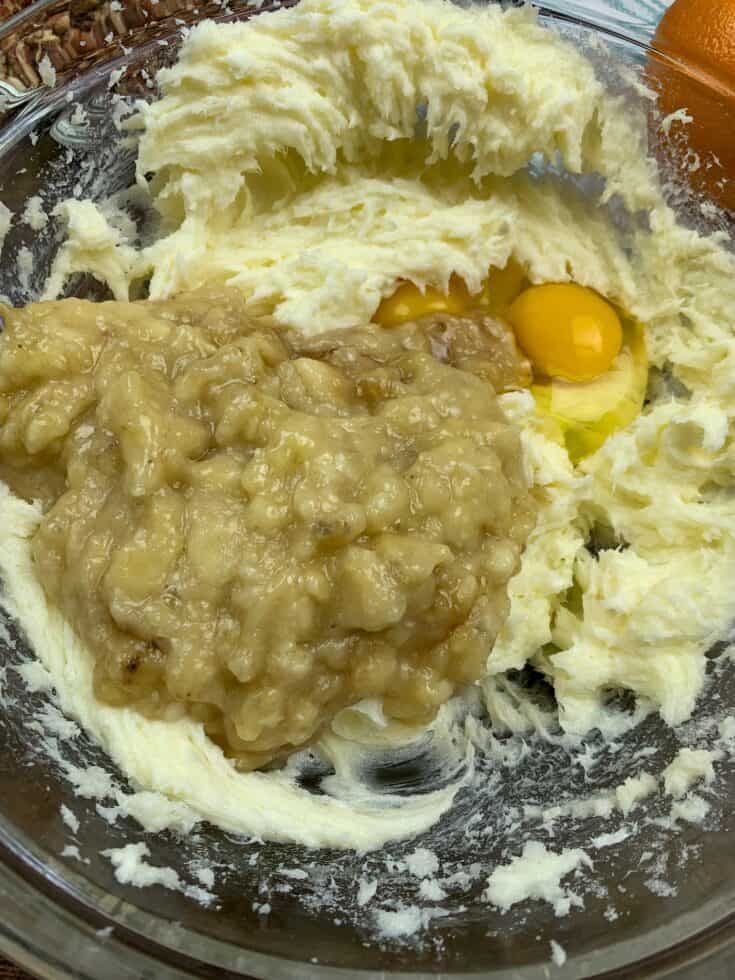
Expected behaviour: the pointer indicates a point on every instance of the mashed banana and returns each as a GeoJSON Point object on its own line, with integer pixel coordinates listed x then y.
{"type": "Point", "coordinates": [311, 158]}
{"type": "Point", "coordinates": [263, 529]}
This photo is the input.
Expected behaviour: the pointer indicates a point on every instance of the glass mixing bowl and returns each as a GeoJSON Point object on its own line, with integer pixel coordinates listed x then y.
{"type": "Point", "coordinates": [662, 904]}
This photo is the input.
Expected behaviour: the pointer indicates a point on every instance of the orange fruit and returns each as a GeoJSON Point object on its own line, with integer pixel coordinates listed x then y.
{"type": "Point", "coordinates": [698, 75]}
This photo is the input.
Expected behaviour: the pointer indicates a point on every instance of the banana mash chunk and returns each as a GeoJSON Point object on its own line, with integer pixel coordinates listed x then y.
{"type": "Point", "coordinates": [262, 529]}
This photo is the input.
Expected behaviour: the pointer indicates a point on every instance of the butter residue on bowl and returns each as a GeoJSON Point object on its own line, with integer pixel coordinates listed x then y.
{"type": "Point", "coordinates": [312, 157]}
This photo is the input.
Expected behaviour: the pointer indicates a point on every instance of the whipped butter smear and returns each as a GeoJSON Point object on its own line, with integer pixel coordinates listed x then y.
{"type": "Point", "coordinates": [312, 157]}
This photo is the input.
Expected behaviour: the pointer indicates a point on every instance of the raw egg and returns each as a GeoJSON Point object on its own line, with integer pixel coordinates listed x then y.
{"type": "Point", "coordinates": [590, 369]}
{"type": "Point", "coordinates": [409, 302]}
{"type": "Point", "coordinates": [566, 331]}
{"type": "Point", "coordinates": [587, 413]}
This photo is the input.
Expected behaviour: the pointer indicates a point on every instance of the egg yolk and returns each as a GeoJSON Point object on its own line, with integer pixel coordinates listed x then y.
{"type": "Point", "coordinates": [566, 331]}
{"type": "Point", "coordinates": [409, 302]}
{"type": "Point", "coordinates": [590, 371]}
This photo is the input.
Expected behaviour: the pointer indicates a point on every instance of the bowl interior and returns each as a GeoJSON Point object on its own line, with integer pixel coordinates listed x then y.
{"type": "Point", "coordinates": [276, 910]}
